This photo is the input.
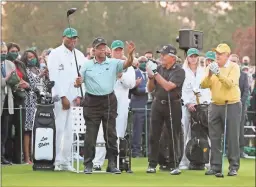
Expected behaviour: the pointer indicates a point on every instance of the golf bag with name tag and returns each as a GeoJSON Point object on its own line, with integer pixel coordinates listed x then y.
{"type": "Point", "coordinates": [44, 133]}
{"type": "Point", "coordinates": [197, 149]}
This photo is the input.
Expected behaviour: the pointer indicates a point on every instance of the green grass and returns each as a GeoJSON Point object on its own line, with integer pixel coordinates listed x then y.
{"type": "Point", "coordinates": [23, 175]}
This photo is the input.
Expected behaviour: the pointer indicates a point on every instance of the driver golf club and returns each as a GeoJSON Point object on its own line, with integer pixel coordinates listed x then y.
{"type": "Point", "coordinates": [69, 12]}
{"type": "Point", "coordinates": [221, 175]}
{"type": "Point", "coordinates": [175, 170]}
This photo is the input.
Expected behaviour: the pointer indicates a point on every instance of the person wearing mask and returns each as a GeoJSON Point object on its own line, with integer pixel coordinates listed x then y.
{"type": "Point", "coordinates": [7, 69]}
{"type": "Point", "coordinates": [210, 56]}
{"type": "Point", "coordinates": [100, 103]}
{"type": "Point", "coordinates": [194, 73]}
{"type": "Point", "coordinates": [31, 61]}
{"type": "Point", "coordinates": [139, 98]}
{"type": "Point", "coordinates": [63, 71]}
{"type": "Point", "coordinates": [19, 94]}
{"type": "Point", "coordinates": [125, 81]}
{"type": "Point", "coordinates": [166, 80]}
{"type": "Point", "coordinates": [223, 80]}
{"type": "Point", "coordinates": [244, 88]}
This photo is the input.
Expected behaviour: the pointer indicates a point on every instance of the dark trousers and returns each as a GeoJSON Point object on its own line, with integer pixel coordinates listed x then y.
{"type": "Point", "coordinates": [216, 128]}
{"type": "Point", "coordinates": [14, 144]}
{"type": "Point", "coordinates": [242, 124]}
{"type": "Point", "coordinates": [164, 144]}
{"type": "Point", "coordinates": [4, 126]}
{"type": "Point", "coordinates": [138, 125]}
{"type": "Point", "coordinates": [97, 109]}
{"type": "Point", "coordinates": [160, 115]}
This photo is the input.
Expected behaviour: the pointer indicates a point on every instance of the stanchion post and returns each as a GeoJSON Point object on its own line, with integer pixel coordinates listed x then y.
{"type": "Point", "coordinates": [21, 137]}
{"type": "Point", "coordinates": [146, 128]}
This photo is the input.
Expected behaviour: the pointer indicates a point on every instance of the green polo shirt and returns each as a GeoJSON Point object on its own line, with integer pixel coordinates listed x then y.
{"type": "Point", "coordinates": [100, 78]}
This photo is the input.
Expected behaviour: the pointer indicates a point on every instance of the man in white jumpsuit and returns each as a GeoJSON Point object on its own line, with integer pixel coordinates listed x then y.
{"type": "Point", "coordinates": [194, 73]}
{"type": "Point", "coordinates": [126, 81]}
{"type": "Point", "coordinates": [63, 71]}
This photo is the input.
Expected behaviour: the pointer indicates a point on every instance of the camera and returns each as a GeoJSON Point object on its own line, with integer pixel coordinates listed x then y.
{"type": "Point", "coordinates": [190, 39]}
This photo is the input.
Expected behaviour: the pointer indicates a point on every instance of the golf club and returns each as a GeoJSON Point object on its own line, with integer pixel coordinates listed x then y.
{"type": "Point", "coordinates": [224, 143]}
{"type": "Point", "coordinates": [69, 12]}
{"type": "Point", "coordinates": [176, 170]}
{"type": "Point", "coordinates": [130, 146]}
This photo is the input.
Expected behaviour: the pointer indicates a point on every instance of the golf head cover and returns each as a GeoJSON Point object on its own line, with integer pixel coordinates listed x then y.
{"type": "Point", "coordinates": [214, 68]}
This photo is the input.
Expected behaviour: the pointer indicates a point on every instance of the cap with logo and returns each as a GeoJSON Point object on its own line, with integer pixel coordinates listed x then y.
{"type": "Point", "coordinates": [117, 44]}
{"type": "Point", "coordinates": [193, 51]}
{"type": "Point", "coordinates": [98, 41]}
{"type": "Point", "coordinates": [70, 32]}
{"type": "Point", "coordinates": [168, 49]}
{"type": "Point", "coordinates": [210, 55]}
{"type": "Point", "coordinates": [222, 48]}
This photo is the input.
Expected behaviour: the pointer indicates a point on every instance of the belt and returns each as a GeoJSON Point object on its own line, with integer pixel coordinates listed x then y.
{"type": "Point", "coordinates": [164, 102]}
{"type": "Point", "coordinates": [100, 96]}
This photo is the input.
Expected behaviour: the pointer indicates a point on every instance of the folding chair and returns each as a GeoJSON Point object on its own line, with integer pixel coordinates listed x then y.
{"type": "Point", "coordinates": [78, 128]}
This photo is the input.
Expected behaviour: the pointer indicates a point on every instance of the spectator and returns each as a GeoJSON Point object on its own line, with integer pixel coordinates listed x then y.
{"type": "Point", "coordinates": [245, 92]}
{"type": "Point", "coordinates": [17, 119]}
{"type": "Point", "coordinates": [149, 55]}
{"type": "Point", "coordinates": [7, 69]}
{"type": "Point", "coordinates": [31, 61]}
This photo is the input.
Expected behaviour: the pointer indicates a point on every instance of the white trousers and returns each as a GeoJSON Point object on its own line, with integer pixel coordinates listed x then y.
{"type": "Point", "coordinates": [63, 135]}
{"type": "Point", "coordinates": [187, 134]}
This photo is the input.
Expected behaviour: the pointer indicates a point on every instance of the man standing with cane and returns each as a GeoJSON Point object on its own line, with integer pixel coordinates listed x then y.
{"type": "Point", "coordinates": [100, 104]}
{"type": "Point", "coordinates": [223, 81]}
{"type": "Point", "coordinates": [167, 80]}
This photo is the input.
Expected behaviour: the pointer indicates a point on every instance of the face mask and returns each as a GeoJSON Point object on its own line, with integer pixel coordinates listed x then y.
{"type": "Point", "coordinates": [246, 64]}
{"type": "Point", "coordinates": [142, 66]}
{"type": "Point", "coordinates": [12, 56]}
{"type": "Point", "coordinates": [32, 62]}
{"type": "Point", "coordinates": [3, 57]}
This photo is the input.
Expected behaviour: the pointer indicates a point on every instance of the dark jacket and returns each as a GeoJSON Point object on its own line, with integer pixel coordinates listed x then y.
{"type": "Point", "coordinates": [244, 87]}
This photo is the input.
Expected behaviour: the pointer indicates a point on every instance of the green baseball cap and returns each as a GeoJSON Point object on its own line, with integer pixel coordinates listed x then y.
{"type": "Point", "coordinates": [117, 44]}
{"type": "Point", "coordinates": [70, 32]}
{"type": "Point", "coordinates": [210, 55]}
{"type": "Point", "coordinates": [192, 51]}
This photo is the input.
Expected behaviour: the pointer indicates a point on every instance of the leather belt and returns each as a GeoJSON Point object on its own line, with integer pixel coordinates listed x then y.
{"type": "Point", "coordinates": [91, 95]}
{"type": "Point", "coordinates": [164, 102]}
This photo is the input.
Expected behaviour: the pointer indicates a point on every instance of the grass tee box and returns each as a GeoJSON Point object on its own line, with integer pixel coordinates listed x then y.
{"type": "Point", "coordinates": [23, 176]}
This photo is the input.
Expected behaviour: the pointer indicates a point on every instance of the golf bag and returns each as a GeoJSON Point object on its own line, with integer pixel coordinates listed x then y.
{"type": "Point", "coordinates": [44, 133]}
{"type": "Point", "coordinates": [197, 149]}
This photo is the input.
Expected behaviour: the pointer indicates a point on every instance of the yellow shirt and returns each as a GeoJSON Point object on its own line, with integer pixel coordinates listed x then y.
{"type": "Point", "coordinates": [225, 86]}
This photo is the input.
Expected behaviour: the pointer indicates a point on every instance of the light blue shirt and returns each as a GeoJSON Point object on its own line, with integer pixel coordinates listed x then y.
{"type": "Point", "coordinates": [100, 78]}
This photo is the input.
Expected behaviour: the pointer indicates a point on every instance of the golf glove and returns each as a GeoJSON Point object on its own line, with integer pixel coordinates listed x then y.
{"type": "Point", "coordinates": [152, 66]}
{"type": "Point", "coordinates": [214, 68]}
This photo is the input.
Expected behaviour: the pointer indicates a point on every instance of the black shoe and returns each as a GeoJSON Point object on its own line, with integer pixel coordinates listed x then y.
{"type": "Point", "coordinates": [112, 166]}
{"type": "Point", "coordinates": [151, 169]}
{"type": "Point", "coordinates": [88, 169]}
{"type": "Point", "coordinates": [113, 170]}
{"type": "Point", "coordinates": [5, 162]}
{"type": "Point", "coordinates": [211, 172]}
{"type": "Point", "coordinates": [232, 172]}
{"type": "Point", "coordinates": [96, 168]}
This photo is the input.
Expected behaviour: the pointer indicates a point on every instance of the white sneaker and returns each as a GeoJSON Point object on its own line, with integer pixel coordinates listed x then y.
{"type": "Point", "coordinates": [207, 166]}
{"type": "Point", "coordinates": [58, 168]}
{"type": "Point", "coordinates": [183, 167]}
{"type": "Point", "coordinates": [68, 168]}
{"type": "Point", "coordinates": [75, 156]}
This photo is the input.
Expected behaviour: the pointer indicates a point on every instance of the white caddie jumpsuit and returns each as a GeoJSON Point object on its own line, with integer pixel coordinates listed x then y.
{"type": "Point", "coordinates": [62, 70]}
{"type": "Point", "coordinates": [122, 86]}
{"type": "Point", "coordinates": [192, 81]}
